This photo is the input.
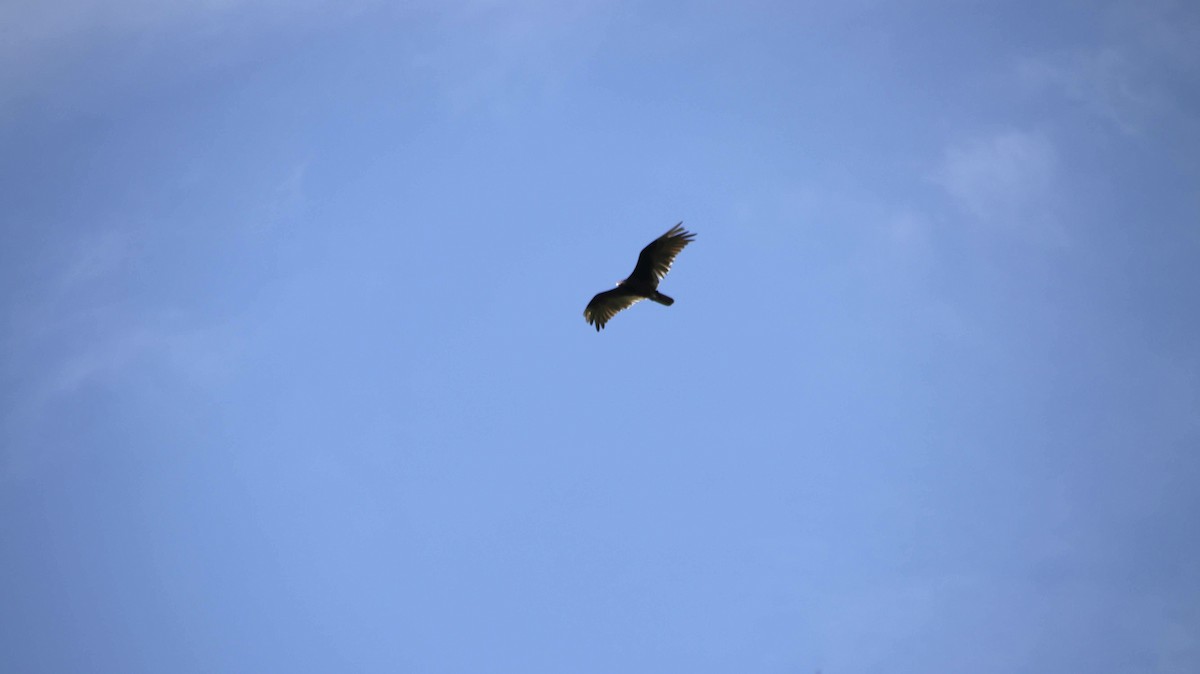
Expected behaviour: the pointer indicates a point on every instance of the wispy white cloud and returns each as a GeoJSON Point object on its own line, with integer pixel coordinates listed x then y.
{"type": "Point", "coordinates": [76, 333]}
{"type": "Point", "coordinates": [1127, 77]}
{"type": "Point", "coordinates": [96, 257]}
{"type": "Point", "coordinates": [1104, 81]}
{"type": "Point", "coordinates": [286, 202]}
{"type": "Point", "coordinates": [58, 298]}
{"type": "Point", "coordinates": [198, 358]}
{"type": "Point", "coordinates": [95, 361]}
{"type": "Point", "coordinates": [41, 38]}
{"type": "Point", "coordinates": [497, 47]}
{"type": "Point", "coordinates": [909, 233]}
{"type": "Point", "coordinates": [1166, 30]}
{"type": "Point", "coordinates": [527, 47]}
{"type": "Point", "coordinates": [1004, 179]}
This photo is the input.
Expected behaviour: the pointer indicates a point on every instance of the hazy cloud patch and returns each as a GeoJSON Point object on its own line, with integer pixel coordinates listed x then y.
{"type": "Point", "coordinates": [41, 39]}
{"type": "Point", "coordinates": [519, 49]}
{"type": "Point", "coordinates": [1131, 78]}
{"type": "Point", "coordinates": [77, 333]}
{"type": "Point", "coordinates": [1104, 81]}
{"type": "Point", "coordinates": [1003, 180]}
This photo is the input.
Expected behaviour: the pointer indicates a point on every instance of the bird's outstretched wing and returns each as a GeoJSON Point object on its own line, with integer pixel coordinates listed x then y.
{"type": "Point", "coordinates": [605, 305]}
{"type": "Point", "coordinates": [655, 259]}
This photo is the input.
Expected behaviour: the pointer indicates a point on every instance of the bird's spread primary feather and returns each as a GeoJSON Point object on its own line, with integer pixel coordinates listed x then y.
{"type": "Point", "coordinates": [653, 264]}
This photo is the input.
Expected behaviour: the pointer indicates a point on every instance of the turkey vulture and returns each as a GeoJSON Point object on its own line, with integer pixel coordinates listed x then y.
{"type": "Point", "coordinates": [652, 265]}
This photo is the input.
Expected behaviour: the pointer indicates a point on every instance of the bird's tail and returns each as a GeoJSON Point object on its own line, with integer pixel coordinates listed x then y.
{"type": "Point", "coordinates": [662, 299]}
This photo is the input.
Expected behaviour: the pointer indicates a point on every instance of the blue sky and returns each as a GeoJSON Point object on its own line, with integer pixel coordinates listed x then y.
{"type": "Point", "coordinates": [295, 376]}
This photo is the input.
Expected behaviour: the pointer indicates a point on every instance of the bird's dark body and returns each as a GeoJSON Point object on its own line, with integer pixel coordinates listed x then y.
{"type": "Point", "coordinates": [653, 264]}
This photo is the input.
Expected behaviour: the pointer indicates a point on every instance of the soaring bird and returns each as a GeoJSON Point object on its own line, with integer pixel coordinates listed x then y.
{"type": "Point", "coordinates": [652, 265]}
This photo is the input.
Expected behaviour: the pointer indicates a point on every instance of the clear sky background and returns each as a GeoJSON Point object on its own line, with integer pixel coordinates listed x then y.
{"type": "Point", "coordinates": [294, 375]}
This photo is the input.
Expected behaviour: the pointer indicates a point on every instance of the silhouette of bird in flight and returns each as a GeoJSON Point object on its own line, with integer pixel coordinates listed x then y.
{"type": "Point", "coordinates": [652, 265]}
